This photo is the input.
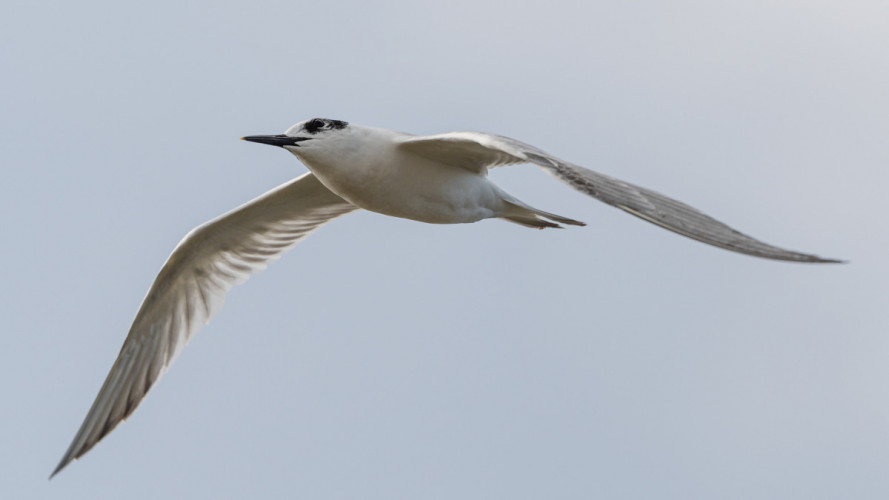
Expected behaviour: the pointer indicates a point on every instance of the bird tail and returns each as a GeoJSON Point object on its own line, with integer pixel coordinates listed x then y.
{"type": "Point", "coordinates": [519, 213]}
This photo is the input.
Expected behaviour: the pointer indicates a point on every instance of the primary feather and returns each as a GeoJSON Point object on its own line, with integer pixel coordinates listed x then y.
{"type": "Point", "coordinates": [480, 151]}
{"type": "Point", "coordinates": [191, 288]}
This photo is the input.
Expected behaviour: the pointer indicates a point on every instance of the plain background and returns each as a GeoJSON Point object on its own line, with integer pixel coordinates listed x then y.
{"type": "Point", "coordinates": [384, 358]}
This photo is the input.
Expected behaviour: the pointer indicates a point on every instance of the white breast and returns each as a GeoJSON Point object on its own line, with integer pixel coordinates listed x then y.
{"type": "Point", "coordinates": [368, 169]}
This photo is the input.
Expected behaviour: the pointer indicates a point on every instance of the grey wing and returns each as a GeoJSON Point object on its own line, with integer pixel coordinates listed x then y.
{"type": "Point", "coordinates": [489, 150]}
{"type": "Point", "coordinates": [191, 287]}
{"type": "Point", "coordinates": [474, 151]}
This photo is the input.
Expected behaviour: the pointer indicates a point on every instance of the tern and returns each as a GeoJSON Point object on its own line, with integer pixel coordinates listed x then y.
{"type": "Point", "coordinates": [438, 179]}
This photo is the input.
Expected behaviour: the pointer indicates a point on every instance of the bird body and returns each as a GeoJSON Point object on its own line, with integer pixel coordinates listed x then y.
{"type": "Point", "coordinates": [362, 171]}
{"type": "Point", "coordinates": [439, 179]}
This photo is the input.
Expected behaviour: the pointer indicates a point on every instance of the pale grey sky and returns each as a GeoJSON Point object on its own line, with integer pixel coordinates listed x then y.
{"type": "Point", "coordinates": [384, 358]}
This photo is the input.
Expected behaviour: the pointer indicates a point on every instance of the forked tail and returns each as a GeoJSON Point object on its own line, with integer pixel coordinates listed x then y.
{"type": "Point", "coordinates": [519, 213]}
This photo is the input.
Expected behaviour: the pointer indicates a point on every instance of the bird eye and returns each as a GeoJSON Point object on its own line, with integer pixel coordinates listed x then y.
{"type": "Point", "coordinates": [315, 125]}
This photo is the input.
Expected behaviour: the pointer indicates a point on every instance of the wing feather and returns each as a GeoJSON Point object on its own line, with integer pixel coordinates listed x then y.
{"type": "Point", "coordinates": [191, 288]}
{"type": "Point", "coordinates": [479, 151]}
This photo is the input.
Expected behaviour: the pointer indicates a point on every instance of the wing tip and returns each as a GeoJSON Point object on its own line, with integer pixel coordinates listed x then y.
{"type": "Point", "coordinates": [780, 254]}
{"type": "Point", "coordinates": [814, 259]}
{"type": "Point", "coordinates": [791, 256]}
{"type": "Point", "coordinates": [62, 464]}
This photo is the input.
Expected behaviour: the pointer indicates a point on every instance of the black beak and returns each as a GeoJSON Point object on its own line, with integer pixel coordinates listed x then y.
{"type": "Point", "coordinates": [275, 140]}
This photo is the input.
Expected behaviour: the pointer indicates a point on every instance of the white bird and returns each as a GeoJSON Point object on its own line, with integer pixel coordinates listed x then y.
{"type": "Point", "coordinates": [440, 179]}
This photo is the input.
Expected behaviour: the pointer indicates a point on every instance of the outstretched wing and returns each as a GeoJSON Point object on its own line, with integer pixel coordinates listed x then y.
{"type": "Point", "coordinates": [191, 287]}
{"type": "Point", "coordinates": [478, 151]}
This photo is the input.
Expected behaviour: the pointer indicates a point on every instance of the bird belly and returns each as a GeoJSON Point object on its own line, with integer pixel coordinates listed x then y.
{"type": "Point", "coordinates": [421, 191]}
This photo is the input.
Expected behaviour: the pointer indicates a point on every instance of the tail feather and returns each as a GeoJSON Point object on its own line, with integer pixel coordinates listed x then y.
{"type": "Point", "coordinates": [531, 217]}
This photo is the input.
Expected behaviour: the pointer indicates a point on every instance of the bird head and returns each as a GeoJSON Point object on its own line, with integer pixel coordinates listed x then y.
{"type": "Point", "coordinates": [314, 135]}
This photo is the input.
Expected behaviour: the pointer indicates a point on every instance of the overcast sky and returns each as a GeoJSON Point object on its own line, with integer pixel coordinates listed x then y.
{"type": "Point", "coordinates": [384, 358]}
